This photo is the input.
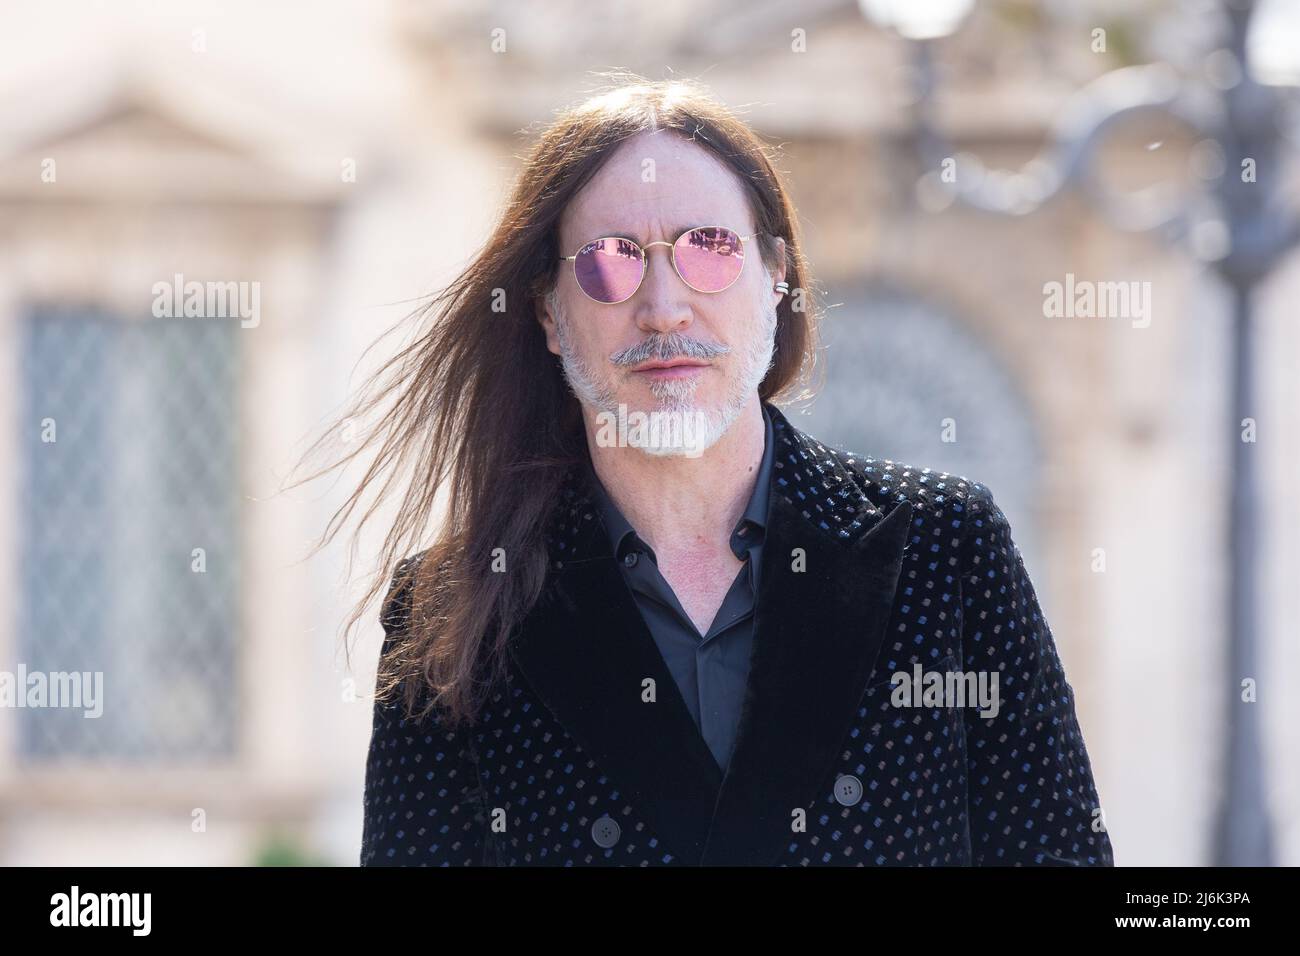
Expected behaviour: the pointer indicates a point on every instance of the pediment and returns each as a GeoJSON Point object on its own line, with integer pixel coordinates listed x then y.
{"type": "Point", "coordinates": [132, 143]}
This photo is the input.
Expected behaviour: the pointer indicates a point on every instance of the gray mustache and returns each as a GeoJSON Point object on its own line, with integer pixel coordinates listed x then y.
{"type": "Point", "coordinates": [667, 346]}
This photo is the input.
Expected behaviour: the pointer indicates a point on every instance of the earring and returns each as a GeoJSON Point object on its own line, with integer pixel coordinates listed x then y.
{"type": "Point", "coordinates": [782, 287]}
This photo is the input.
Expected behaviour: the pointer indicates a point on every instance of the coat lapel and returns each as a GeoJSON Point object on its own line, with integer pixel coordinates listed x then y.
{"type": "Point", "coordinates": [586, 652]}
{"type": "Point", "coordinates": [817, 634]}
{"type": "Point", "coordinates": [831, 563]}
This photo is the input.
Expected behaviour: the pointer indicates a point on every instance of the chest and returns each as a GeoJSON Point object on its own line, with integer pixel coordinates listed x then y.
{"type": "Point", "coordinates": [701, 581]}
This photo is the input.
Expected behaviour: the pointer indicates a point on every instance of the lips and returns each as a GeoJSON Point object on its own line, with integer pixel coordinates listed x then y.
{"type": "Point", "coordinates": [659, 366]}
{"type": "Point", "coordinates": [681, 370]}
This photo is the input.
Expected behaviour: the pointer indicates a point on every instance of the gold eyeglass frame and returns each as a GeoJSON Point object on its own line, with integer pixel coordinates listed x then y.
{"type": "Point", "coordinates": [645, 260]}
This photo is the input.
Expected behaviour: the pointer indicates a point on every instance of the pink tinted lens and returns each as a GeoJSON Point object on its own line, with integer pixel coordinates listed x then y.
{"type": "Point", "coordinates": [609, 270]}
{"type": "Point", "coordinates": [709, 259]}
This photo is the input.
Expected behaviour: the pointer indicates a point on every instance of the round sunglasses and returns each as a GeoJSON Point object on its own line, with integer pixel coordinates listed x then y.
{"type": "Point", "coordinates": [707, 258]}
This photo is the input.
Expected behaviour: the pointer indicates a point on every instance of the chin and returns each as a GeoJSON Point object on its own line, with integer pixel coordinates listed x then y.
{"type": "Point", "coordinates": [684, 425]}
{"type": "Point", "coordinates": [665, 451]}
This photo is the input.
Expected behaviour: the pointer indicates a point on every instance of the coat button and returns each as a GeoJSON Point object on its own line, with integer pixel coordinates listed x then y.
{"type": "Point", "coordinates": [848, 790]}
{"type": "Point", "coordinates": [630, 559]}
{"type": "Point", "coordinates": [605, 832]}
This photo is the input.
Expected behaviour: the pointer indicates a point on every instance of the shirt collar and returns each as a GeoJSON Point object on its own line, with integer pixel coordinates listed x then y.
{"type": "Point", "coordinates": [748, 533]}
{"type": "Point", "coordinates": [756, 511]}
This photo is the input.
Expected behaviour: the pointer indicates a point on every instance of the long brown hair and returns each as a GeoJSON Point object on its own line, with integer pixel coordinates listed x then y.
{"type": "Point", "coordinates": [477, 406]}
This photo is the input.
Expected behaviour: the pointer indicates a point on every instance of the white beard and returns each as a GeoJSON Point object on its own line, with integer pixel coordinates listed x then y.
{"type": "Point", "coordinates": [676, 396]}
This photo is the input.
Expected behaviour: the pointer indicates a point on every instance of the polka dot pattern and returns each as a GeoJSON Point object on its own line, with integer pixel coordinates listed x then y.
{"type": "Point", "coordinates": [910, 786]}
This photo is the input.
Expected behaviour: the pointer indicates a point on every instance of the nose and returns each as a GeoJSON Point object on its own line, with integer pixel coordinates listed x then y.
{"type": "Point", "coordinates": [664, 304]}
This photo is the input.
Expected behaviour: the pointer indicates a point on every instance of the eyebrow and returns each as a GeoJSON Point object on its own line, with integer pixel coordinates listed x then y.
{"type": "Point", "coordinates": [674, 232]}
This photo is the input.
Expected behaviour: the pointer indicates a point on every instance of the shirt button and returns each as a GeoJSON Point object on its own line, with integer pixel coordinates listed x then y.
{"type": "Point", "coordinates": [848, 790]}
{"type": "Point", "coordinates": [605, 832]}
{"type": "Point", "coordinates": [630, 559]}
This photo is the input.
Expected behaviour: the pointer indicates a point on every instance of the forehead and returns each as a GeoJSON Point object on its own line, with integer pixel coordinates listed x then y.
{"type": "Point", "coordinates": [656, 186]}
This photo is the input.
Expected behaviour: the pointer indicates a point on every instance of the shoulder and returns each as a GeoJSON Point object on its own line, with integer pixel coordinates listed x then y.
{"type": "Point", "coordinates": [398, 645]}
{"type": "Point", "coordinates": [395, 611]}
{"type": "Point", "coordinates": [932, 492]}
{"type": "Point", "coordinates": [953, 514]}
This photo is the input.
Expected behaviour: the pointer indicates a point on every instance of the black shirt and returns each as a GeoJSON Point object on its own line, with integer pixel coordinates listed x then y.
{"type": "Point", "coordinates": [711, 670]}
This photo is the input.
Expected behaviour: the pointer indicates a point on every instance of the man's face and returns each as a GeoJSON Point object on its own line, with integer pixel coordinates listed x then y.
{"type": "Point", "coordinates": [653, 188]}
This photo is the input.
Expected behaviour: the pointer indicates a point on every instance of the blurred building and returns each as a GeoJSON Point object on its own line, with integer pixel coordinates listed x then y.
{"type": "Point", "coordinates": [344, 163]}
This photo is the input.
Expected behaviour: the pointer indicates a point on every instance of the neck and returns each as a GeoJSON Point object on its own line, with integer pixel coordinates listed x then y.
{"type": "Point", "coordinates": [682, 502]}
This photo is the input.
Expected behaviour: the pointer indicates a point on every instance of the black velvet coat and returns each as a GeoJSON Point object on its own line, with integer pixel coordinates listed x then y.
{"type": "Point", "coordinates": [869, 568]}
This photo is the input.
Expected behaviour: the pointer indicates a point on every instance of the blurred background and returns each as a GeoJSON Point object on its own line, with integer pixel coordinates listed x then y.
{"type": "Point", "coordinates": [953, 163]}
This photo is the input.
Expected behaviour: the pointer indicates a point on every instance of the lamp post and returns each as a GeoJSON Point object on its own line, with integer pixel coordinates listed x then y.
{"type": "Point", "coordinates": [1241, 226]}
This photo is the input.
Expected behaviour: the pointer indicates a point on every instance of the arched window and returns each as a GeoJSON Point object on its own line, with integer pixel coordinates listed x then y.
{"type": "Point", "coordinates": [904, 378]}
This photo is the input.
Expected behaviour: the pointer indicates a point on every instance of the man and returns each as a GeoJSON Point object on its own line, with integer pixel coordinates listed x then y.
{"type": "Point", "coordinates": [687, 643]}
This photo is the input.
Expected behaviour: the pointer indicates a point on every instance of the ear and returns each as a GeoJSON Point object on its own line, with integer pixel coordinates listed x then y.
{"type": "Point", "coordinates": [779, 274]}
{"type": "Point", "coordinates": [547, 322]}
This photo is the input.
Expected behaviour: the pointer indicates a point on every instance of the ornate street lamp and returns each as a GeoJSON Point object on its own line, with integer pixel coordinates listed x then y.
{"type": "Point", "coordinates": [1241, 226]}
